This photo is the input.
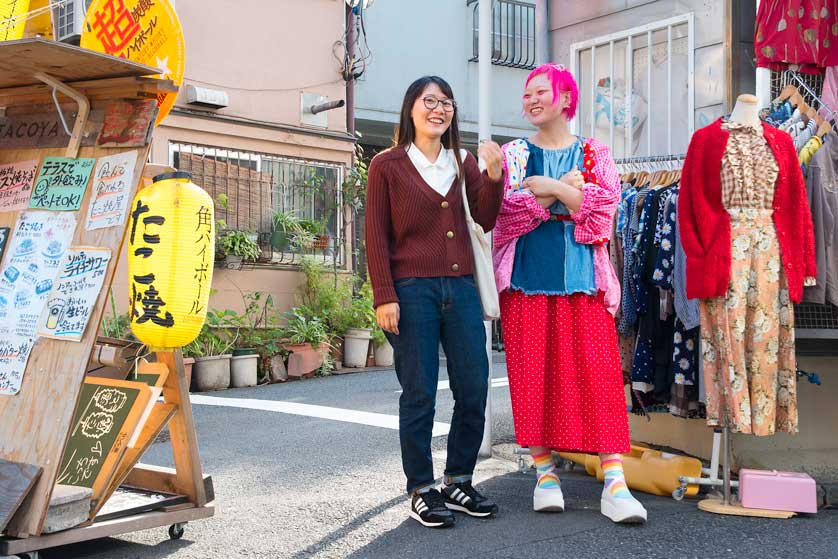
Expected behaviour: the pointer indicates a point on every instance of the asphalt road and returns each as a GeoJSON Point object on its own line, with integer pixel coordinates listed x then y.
{"type": "Point", "coordinates": [296, 486]}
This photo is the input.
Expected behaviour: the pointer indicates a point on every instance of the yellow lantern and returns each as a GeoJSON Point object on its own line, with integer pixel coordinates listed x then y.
{"type": "Point", "coordinates": [171, 249]}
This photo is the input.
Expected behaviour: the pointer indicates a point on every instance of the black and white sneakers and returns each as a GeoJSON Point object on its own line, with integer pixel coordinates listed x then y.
{"type": "Point", "coordinates": [462, 497]}
{"type": "Point", "coordinates": [429, 510]}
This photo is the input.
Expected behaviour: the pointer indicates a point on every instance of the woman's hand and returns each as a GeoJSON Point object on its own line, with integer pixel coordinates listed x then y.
{"type": "Point", "coordinates": [574, 178]}
{"type": "Point", "coordinates": [541, 187]}
{"type": "Point", "coordinates": [492, 156]}
{"type": "Point", "coordinates": [387, 316]}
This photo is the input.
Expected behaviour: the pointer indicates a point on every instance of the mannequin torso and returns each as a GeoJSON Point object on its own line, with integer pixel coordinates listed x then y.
{"type": "Point", "coordinates": [746, 111]}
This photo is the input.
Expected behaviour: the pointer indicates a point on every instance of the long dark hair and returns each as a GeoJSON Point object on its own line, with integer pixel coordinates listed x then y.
{"type": "Point", "coordinates": [406, 132]}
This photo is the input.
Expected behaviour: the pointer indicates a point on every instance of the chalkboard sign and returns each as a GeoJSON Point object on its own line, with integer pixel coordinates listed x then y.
{"type": "Point", "coordinates": [106, 418]}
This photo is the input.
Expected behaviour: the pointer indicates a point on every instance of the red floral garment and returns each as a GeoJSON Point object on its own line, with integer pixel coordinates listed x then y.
{"type": "Point", "coordinates": [797, 32]}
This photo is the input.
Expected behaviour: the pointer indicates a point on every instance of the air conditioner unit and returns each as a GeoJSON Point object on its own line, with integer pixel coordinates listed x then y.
{"type": "Point", "coordinates": [68, 19]}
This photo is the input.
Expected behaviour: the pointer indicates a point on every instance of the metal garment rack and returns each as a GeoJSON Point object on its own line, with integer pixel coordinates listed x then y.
{"type": "Point", "coordinates": [814, 321]}
{"type": "Point", "coordinates": [677, 158]}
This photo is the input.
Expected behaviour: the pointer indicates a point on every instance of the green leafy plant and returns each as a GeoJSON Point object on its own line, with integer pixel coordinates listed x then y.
{"type": "Point", "coordinates": [302, 329]}
{"type": "Point", "coordinates": [378, 337]}
{"type": "Point", "coordinates": [217, 337]}
{"type": "Point", "coordinates": [355, 184]}
{"type": "Point", "coordinates": [239, 243]}
{"type": "Point", "coordinates": [117, 325]}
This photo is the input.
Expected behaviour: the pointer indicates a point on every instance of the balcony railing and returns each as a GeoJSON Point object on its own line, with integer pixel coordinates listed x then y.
{"type": "Point", "coordinates": [513, 33]}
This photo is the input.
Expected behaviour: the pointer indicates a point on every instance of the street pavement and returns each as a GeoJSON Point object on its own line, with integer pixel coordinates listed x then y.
{"type": "Point", "coordinates": [316, 472]}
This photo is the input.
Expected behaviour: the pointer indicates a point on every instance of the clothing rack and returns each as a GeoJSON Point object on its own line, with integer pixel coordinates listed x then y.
{"type": "Point", "coordinates": [801, 83]}
{"type": "Point", "coordinates": [677, 158]}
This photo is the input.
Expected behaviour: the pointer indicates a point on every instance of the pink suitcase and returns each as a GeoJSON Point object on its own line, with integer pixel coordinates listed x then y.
{"type": "Point", "coordinates": [773, 490]}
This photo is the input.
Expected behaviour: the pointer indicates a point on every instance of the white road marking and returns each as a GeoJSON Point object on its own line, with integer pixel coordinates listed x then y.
{"type": "Point", "coordinates": [446, 385]}
{"type": "Point", "coordinates": [309, 410]}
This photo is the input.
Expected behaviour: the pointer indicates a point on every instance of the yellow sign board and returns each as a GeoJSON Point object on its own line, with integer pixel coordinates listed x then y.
{"type": "Point", "coordinates": [144, 31]}
{"type": "Point", "coordinates": [13, 19]}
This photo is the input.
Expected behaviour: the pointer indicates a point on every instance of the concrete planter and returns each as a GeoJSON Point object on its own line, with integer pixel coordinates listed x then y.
{"type": "Point", "coordinates": [244, 370]}
{"type": "Point", "coordinates": [384, 355]}
{"type": "Point", "coordinates": [211, 373]}
{"type": "Point", "coordinates": [356, 347]}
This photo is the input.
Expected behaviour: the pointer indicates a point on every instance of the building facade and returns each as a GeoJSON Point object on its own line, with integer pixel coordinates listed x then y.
{"type": "Point", "coordinates": [242, 126]}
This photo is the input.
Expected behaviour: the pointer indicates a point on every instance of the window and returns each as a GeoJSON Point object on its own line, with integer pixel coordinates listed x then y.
{"type": "Point", "coordinates": [636, 88]}
{"type": "Point", "coordinates": [257, 186]}
{"type": "Point", "coordinates": [513, 33]}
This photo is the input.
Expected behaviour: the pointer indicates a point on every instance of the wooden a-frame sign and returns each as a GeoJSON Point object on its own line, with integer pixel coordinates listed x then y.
{"type": "Point", "coordinates": [112, 94]}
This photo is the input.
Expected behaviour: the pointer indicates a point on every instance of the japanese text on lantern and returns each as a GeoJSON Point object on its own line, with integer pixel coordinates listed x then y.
{"type": "Point", "coordinates": [202, 243]}
{"type": "Point", "coordinates": [142, 287]}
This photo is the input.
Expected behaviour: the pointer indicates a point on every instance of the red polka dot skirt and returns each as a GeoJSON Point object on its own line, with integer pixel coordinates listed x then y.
{"type": "Point", "coordinates": [565, 377]}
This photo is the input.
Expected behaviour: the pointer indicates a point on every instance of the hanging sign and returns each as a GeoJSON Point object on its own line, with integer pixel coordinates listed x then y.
{"type": "Point", "coordinates": [16, 180]}
{"type": "Point", "coordinates": [111, 183]}
{"type": "Point", "coordinates": [74, 294]}
{"type": "Point", "coordinates": [61, 183]}
{"type": "Point", "coordinates": [144, 31]}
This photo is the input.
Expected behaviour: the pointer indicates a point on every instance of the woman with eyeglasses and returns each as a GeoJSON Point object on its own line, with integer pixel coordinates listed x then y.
{"type": "Point", "coordinates": [420, 266]}
{"type": "Point", "coordinates": [558, 295]}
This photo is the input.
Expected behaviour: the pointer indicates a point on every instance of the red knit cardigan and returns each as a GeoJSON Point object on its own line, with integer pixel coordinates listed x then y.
{"type": "Point", "coordinates": [705, 224]}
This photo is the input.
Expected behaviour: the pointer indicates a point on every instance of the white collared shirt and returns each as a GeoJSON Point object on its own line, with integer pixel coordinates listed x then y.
{"type": "Point", "coordinates": [440, 174]}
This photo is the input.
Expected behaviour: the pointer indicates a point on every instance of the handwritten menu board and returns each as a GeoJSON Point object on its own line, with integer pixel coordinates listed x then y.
{"type": "Point", "coordinates": [61, 183]}
{"type": "Point", "coordinates": [106, 416]}
{"type": "Point", "coordinates": [112, 181]}
{"type": "Point", "coordinates": [34, 256]}
{"type": "Point", "coordinates": [74, 294]}
{"type": "Point", "coordinates": [16, 180]}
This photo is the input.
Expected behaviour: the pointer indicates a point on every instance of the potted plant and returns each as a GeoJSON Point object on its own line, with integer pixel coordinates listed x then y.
{"type": "Point", "coordinates": [236, 247]}
{"type": "Point", "coordinates": [316, 230]}
{"type": "Point", "coordinates": [210, 350]}
{"type": "Point", "coordinates": [307, 338]}
{"type": "Point", "coordinates": [356, 343]}
{"type": "Point", "coordinates": [382, 348]}
{"type": "Point", "coordinates": [249, 327]}
{"type": "Point", "coordinates": [285, 229]}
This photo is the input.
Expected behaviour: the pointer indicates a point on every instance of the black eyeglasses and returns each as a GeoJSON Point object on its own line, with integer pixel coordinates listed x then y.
{"type": "Point", "coordinates": [448, 105]}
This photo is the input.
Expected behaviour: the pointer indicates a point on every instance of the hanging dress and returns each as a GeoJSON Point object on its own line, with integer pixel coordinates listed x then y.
{"type": "Point", "coordinates": [563, 361]}
{"type": "Point", "coordinates": [747, 336]}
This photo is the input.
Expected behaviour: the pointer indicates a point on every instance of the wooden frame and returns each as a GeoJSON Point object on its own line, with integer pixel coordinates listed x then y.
{"type": "Point", "coordinates": [35, 422]}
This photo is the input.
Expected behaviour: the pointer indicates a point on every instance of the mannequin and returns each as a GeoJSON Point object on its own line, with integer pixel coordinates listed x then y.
{"type": "Point", "coordinates": [746, 111]}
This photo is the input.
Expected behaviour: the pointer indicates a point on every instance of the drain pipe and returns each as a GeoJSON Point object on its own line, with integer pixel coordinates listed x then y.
{"type": "Point", "coordinates": [542, 32]}
{"type": "Point", "coordinates": [484, 132]}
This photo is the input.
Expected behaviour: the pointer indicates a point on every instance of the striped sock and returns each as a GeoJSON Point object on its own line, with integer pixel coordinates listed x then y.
{"type": "Point", "coordinates": [546, 470]}
{"type": "Point", "coordinates": [615, 480]}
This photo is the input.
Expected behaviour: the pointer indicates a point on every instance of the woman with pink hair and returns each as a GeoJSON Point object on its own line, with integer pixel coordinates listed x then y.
{"type": "Point", "coordinates": [559, 293]}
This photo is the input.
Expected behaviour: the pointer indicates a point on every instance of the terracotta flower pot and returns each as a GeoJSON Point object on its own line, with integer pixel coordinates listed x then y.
{"type": "Point", "coordinates": [187, 368]}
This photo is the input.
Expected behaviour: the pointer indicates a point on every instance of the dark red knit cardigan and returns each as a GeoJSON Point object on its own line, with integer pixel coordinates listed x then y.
{"type": "Point", "coordinates": [705, 224]}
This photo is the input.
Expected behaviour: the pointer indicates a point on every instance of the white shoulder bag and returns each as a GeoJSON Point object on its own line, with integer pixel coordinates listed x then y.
{"type": "Point", "coordinates": [484, 272]}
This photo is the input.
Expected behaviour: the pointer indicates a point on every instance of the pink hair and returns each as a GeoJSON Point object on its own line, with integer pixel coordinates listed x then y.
{"type": "Point", "coordinates": [562, 80]}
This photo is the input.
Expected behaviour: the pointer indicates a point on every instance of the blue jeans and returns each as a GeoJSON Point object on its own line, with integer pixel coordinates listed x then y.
{"type": "Point", "coordinates": [445, 309]}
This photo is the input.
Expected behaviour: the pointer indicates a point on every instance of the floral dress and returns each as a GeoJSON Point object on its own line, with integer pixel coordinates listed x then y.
{"type": "Point", "coordinates": [747, 336]}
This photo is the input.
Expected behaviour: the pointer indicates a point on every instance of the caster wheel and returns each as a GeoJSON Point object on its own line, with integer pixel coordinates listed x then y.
{"type": "Point", "coordinates": [176, 531]}
{"type": "Point", "coordinates": [678, 494]}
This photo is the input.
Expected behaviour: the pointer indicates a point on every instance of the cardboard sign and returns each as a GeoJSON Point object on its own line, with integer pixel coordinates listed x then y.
{"type": "Point", "coordinates": [111, 183]}
{"type": "Point", "coordinates": [74, 294]}
{"type": "Point", "coordinates": [16, 180]}
{"type": "Point", "coordinates": [61, 183]}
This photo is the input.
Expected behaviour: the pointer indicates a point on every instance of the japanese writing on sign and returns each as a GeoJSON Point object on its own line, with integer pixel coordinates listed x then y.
{"type": "Point", "coordinates": [33, 259]}
{"type": "Point", "coordinates": [74, 294]}
{"type": "Point", "coordinates": [203, 242]}
{"type": "Point", "coordinates": [16, 180]}
{"type": "Point", "coordinates": [112, 183]}
{"type": "Point", "coordinates": [61, 183]}
{"type": "Point", "coordinates": [144, 223]}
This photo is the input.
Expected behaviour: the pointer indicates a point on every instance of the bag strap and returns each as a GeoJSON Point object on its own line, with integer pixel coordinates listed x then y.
{"type": "Point", "coordinates": [469, 218]}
